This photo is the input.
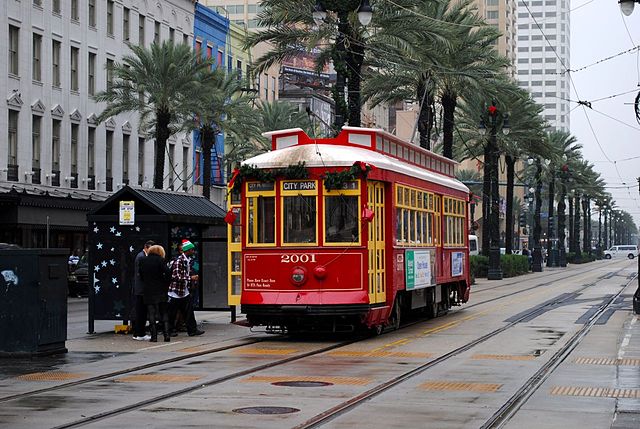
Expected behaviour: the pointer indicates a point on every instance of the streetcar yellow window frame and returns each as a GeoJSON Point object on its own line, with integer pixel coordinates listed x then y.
{"type": "Point", "coordinates": [355, 191]}
{"type": "Point", "coordinates": [415, 217]}
{"type": "Point", "coordinates": [252, 199]}
{"type": "Point", "coordinates": [287, 193]}
{"type": "Point", "coordinates": [454, 215]}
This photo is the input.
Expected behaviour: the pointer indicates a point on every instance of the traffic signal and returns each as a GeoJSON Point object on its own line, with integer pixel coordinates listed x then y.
{"type": "Point", "coordinates": [523, 219]}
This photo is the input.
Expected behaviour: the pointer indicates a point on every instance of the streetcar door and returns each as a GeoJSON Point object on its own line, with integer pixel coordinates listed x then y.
{"type": "Point", "coordinates": [375, 244]}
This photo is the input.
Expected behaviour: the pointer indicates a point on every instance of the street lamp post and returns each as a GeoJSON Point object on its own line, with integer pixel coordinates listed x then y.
{"type": "Point", "coordinates": [606, 226]}
{"type": "Point", "coordinates": [537, 228]}
{"type": "Point", "coordinates": [495, 268]}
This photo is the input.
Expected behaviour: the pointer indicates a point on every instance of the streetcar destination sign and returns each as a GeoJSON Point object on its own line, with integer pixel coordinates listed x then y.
{"type": "Point", "coordinates": [307, 185]}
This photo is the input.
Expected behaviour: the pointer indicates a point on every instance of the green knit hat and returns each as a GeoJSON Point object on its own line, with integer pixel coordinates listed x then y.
{"type": "Point", "coordinates": [187, 245]}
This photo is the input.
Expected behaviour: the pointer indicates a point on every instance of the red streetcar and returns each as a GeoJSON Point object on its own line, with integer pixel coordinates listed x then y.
{"type": "Point", "coordinates": [344, 233]}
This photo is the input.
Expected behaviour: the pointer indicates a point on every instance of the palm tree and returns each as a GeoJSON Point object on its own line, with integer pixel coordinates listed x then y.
{"type": "Point", "coordinates": [281, 115]}
{"type": "Point", "coordinates": [221, 108]}
{"type": "Point", "coordinates": [290, 30]}
{"type": "Point", "coordinates": [161, 83]}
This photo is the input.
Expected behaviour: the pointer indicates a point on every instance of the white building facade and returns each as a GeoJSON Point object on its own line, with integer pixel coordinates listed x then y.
{"type": "Point", "coordinates": [543, 57]}
{"type": "Point", "coordinates": [58, 55]}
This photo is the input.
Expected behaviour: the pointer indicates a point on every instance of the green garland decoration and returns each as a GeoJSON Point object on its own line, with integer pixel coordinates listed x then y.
{"type": "Point", "coordinates": [251, 172]}
{"type": "Point", "coordinates": [336, 179]}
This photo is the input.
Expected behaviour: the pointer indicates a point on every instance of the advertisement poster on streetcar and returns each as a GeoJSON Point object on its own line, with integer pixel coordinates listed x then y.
{"type": "Point", "coordinates": [419, 269]}
{"type": "Point", "coordinates": [457, 264]}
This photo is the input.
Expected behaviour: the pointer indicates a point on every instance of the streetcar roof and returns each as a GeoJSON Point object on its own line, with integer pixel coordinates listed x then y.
{"type": "Point", "coordinates": [330, 155]}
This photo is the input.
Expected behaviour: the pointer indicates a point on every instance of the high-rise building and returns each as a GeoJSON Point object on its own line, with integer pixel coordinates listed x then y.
{"type": "Point", "coordinates": [502, 15]}
{"type": "Point", "coordinates": [543, 57]}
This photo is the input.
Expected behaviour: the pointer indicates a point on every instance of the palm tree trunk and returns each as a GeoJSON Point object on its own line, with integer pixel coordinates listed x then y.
{"type": "Point", "coordinates": [571, 230]}
{"type": "Point", "coordinates": [576, 226]}
{"type": "Point", "coordinates": [508, 237]}
{"type": "Point", "coordinates": [586, 240]}
{"type": "Point", "coordinates": [561, 225]}
{"type": "Point", "coordinates": [340, 65]}
{"type": "Point", "coordinates": [354, 60]}
{"type": "Point", "coordinates": [551, 255]}
{"type": "Point", "coordinates": [208, 139]}
{"type": "Point", "coordinates": [162, 134]}
{"type": "Point", "coordinates": [425, 117]}
{"type": "Point", "coordinates": [486, 201]}
{"type": "Point", "coordinates": [449, 102]}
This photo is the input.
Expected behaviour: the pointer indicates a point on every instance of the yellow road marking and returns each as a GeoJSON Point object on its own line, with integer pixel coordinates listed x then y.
{"type": "Point", "coordinates": [158, 378]}
{"type": "Point", "coordinates": [378, 353]}
{"type": "Point", "coordinates": [460, 386]}
{"type": "Point", "coordinates": [595, 392]}
{"type": "Point", "coordinates": [607, 361]}
{"type": "Point", "coordinates": [503, 357]}
{"type": "Point", "coordinates": [51, 376]}
{"type": "Point", "coordinates": [257, 351]}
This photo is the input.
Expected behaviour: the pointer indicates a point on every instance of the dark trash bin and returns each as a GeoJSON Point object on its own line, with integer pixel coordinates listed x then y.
{"type": "Point", "coordinates": [33, 301]}
{"type": "Point", "coordinates": [636, 301]}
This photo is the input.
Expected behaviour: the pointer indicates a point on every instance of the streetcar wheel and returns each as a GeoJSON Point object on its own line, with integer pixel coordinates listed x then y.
{"type": "Point", "coordinates": [394, 319]}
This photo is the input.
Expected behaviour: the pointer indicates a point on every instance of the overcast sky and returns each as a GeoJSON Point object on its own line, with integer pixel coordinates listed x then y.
{"type": "Point", "coordinates": [597, 32]}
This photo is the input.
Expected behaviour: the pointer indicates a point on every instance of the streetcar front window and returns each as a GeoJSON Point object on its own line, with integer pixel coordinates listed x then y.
{"type": "Point", "coordinates": [261, 220]}
{"type": "Point", "coordinates": [299, 219]}
{"type": "Point", "coordinates": [341, 219]}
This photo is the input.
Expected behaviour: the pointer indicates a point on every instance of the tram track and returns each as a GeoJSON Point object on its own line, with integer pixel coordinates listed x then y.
{"type": "Point", "coordinates": [314, 422]}
{"type": "Point", "coordinates": [516, 401]}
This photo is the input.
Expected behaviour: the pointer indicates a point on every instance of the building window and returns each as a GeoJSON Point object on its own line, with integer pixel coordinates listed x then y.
{"type": "Point", "coordinates": [55, 6]}
{"type": "Point", "coordinates": [36, 124]}
{"type": "Point", "coordinates": [37, 3]}
{"type": "Point", "coordinates": [109, 74]}
{"type": "Point", "coordinates": [185, 39]}
{"type": "Point", "coordinates": [172, 35]}
{"type": "Point", "coordinates": [239, 69]}
{"type": "Point", "coordinates": [125, 24]}
{"type": "Point", "coordinates": [37, 56]}
{"type": "Point", "coordinates": [55, 63]}
{"type": "Point", "coordinates": [55, 147]}
{"type": "Point", "coordinates": [14, 34]}
{"type": "Point", "coordinates": [110, 18]}
{"type": "Point", "coordinates": [91, 81]}
{"type": "Point", "coordinates": [75, 53]}
{"type": "Point", "coordinates": [125, 159]}
{"type": "Point", "coordinates": [209, 51]}
{"type": "Point", "coordinates": [141, 19]}
{"type": "Point", "coordinates": [140, 161]}
{"type": "Point", "coordinates": [75, 128]}
{"type": "Point", "coordinates": [185, 166]}
{"type": "Point", "coordinates": [266, 87]}
{"type": "Point", "coordinates": [74, 10]}
{"type": "Point", "coordinates": [198, 49]}
{"type": "Point", "coordinates": [273, 88]}
{"type": "Point", "coordinates": [91, 152]}
{"type": "Point", "coordinates": [219, 59]}
{"type": "Point", "coordinates": [156, 32]}
{"type": "Point", "coordinates": [109, 159]}
{"type": "Point", "coordinates": [92, 13]}
{"type": "Point", "coordinates": [13, 140]}
{"type": "Point", "coordinates": [492, 14]}
{"type": "Point", "coordinates": [172, 158]}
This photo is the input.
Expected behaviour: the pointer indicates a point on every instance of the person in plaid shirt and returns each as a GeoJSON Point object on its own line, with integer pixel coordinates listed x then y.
{"type": "Point", "coordinates": [179, 294]}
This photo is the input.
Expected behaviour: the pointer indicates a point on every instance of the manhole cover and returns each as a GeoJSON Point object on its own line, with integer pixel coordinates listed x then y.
{"type": "Point", "coordinates": [302, 383]}
{"type": "Point", "coordinates": [266, 410]}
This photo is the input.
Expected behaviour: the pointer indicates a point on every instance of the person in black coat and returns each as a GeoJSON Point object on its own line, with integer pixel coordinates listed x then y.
{"type": "Point", "coordinates": [155, 276]}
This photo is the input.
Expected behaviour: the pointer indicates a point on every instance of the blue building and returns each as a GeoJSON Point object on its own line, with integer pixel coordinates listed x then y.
{"type": "Point", "coordinates": [210, 35]}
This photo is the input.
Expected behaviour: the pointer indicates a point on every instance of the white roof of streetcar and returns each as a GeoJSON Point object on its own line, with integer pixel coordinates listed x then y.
{"type": "Point", "coordinates": [319, 154]}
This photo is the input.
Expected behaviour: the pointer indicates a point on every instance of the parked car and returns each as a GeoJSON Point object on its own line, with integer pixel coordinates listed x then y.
{"type": "Point", "coordinates": [473, 245]}
{"type": "Point", "coordinates": [78, 279]}
{"type": "Point", "coordinates": [9, 246]}
{"type": "Point", "coordinates": [618, 251]}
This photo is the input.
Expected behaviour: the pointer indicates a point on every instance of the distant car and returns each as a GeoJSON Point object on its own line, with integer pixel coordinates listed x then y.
{"type": "Point", "coordinates": [618, 251]}
{"type": "Point", "coordinates": [78, 280]}
{"type": "Point", "coordinates": [473, 245]}
{"type": "Point", "coordinates": [9, 246]}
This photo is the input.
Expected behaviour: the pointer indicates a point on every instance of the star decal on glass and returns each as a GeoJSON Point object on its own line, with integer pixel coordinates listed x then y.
{"type": "Point", "coordinates": [114, 280]}
{"type": "Point", "coordinates": [137, 229]}
{"type": "Point", "coordinates": [96, 229]}
{"type": "Point", "coordinates": [103, 263]}
{"type": "Point", "coordinates": [97, 289]}
{"type": "Point", "coordinates": [130, 248]}
{"type": "Point", "coordinates": [112, 261]}
{"type": "Point", "coordinates": [112, 229]}
{"type": "Point", "coordinates": [113, 249]}
{"type": "Point", "coordinates": [118, 234]}
{"type": "Point", "coordinates": [96, 268]}
{"type": "Point", "coordinates": [99, 246]}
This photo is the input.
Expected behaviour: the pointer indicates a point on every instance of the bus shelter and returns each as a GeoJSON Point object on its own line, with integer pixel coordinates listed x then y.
{"type": "Point", "coordinates": [118, 229]}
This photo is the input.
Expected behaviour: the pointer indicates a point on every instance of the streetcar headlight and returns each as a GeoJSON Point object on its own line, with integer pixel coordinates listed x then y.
{"type": "Point", "coordinates": [298, 276]}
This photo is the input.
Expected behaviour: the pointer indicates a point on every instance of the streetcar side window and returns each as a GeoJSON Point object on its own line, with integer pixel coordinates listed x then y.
{"type": "Point", "coordinates": [261, 213]}
{"type": "Point", "coordinates": [299, 212]}
{"type": "Point", "coordinates": [261, 220]}
{"type": "Point", "coordinates": [341, 215]}
{"type": "Point", "coordinates": [454, 217]}
{"type": "Point", "coordinates": [414, 217]}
